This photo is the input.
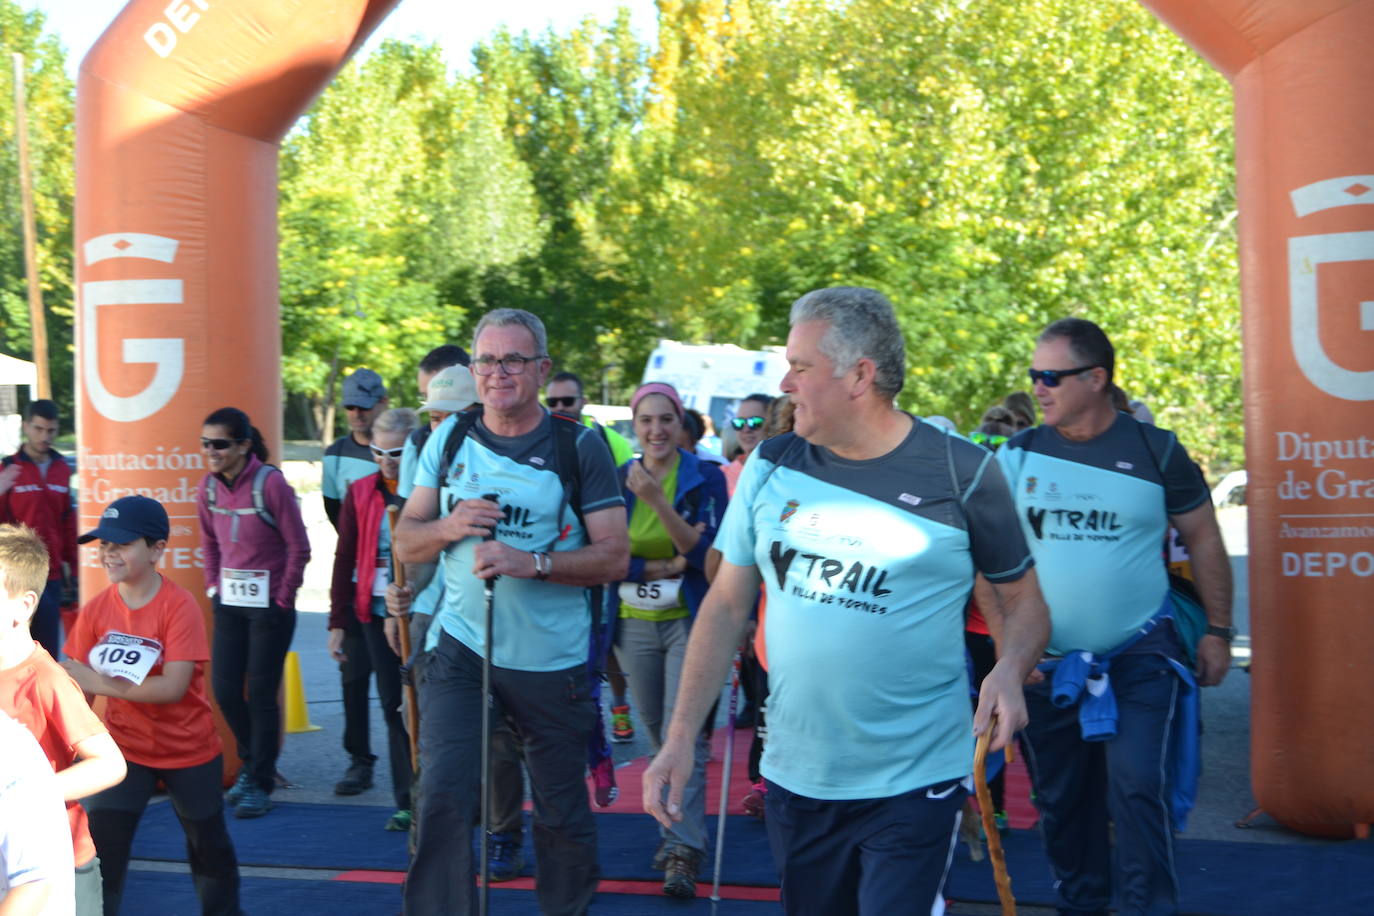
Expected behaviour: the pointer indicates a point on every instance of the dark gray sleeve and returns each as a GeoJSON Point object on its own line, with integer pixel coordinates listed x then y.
{"type": "Point", "coordinates": [600, 484]}
{"type": "Point", "coordinates": [1184, 486]}
{"type": "Point", "coordinates": [995, 538]}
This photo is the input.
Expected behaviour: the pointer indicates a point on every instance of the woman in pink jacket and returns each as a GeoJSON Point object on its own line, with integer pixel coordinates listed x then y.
{"type": "Point", "coordinates": [255, 550]}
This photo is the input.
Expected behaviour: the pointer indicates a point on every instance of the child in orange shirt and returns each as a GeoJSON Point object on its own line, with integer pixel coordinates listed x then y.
{"type": "Point", "coordinates": [38, 693]}
{"type": "Point", "coordinates": [141, 642]}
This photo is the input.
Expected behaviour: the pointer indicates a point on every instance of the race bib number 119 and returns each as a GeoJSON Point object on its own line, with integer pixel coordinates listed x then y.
{"type": "Point", "coordinates": [244, 587]}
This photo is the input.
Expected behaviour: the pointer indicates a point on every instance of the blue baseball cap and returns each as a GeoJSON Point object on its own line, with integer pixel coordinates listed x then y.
{"type": "Point", "coordinates": [363, 389]}
{"type": "Point", "coordinates": [128, 519]}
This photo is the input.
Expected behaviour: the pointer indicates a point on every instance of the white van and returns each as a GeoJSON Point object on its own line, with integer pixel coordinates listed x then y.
{"type": "Point", "coordinates": [714, 377]}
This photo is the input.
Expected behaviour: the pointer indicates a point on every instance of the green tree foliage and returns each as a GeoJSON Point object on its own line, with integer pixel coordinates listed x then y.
{"type": "Point", "coordinates": [49, 98]}
{"type": "Point", "coordinates": [990, 166]}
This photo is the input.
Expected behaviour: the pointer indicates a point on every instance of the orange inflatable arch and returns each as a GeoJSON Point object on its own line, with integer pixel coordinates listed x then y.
{"type": "Point", "coordinates": [180, 109]}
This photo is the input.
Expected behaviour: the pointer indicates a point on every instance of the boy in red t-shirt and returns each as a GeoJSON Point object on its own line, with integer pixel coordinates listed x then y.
{"type": "Point", "coordinates": [35, 691]}
{"type": "Point", "coordinates": [141, 642]}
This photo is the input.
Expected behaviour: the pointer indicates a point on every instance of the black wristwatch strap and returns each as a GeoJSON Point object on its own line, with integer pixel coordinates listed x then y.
{"type": "Point", "coordinates": [1226, 633]}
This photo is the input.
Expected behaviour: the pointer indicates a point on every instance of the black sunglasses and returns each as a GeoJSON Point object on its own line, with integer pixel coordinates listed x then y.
{"type": "Point", "coordinates": [1050, 378]}
{"type": "Point", "coordinates": [556, 403]}
{"type": "Point", "coordinates": [387, 452]}
{"type": "Point", "coordinates": [742, 422]}
{"type": "Point", "coordinates": [218, 445]}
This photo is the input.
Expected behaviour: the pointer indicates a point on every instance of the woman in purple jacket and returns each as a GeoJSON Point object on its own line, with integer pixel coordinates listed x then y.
{"type": "Point", "coordinates": [255, 550]}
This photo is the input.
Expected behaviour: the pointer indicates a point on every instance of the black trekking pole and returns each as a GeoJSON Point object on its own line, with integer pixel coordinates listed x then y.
{"type": "Point", "coordinates": [489, 592]}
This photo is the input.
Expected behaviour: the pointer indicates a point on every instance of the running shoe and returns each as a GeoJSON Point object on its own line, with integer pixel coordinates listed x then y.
{"type": "Point", "coordinates": [603, 779]}
{"type": "Point", "coordinates": [622, 729]}
{"type": "Point", "coordinates": [399, 821]}
{"type": "Point", "coordinates": [254, 802]}
{"type": "Point", "coordinates": [753, 803]}
{"type": "Point", "coordinates": [999, 818]}
{"type": "Point", "coordinates": [357, 778]}
{"type": "Point", "coordinates": [680, 873]}
{"type": "Point", "coordinates": [504, 858]}
{"type": "Point", "coordinates": [236, 790]}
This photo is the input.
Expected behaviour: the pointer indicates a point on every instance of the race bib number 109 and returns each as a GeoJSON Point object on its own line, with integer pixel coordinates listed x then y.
{"type": "Point", "coordinates": [124, 656]}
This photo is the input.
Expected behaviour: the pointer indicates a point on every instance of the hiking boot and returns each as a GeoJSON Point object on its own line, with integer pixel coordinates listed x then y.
{"type": "Point", "coordinates": [753, 803]}
{"type": "Point", "coordinates": [680, 872]}
{"type": "Point", "coordinates": [603, 780]}
{"type": "Point", "coordinates": [254, 802]}
{"type": "Point", "coordinates": [504, 858]}
{"type": "Point", "coordinates": [399, 821]}
{"type": "Point", "coordinates": [660, 859]}
{"type": "Point", "coordinates": [622, 729]}
{"type": "Point", "coordinates": [357, 779]}
{"type": "Point", "coordinates": [236, 790]}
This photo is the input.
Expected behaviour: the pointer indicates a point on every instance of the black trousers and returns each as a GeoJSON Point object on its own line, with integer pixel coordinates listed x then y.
{"type": "Point", "coordinates": [367, 651]}
{"type": "Point", "coordinates": [248, 653]}
{"type": "Point", "coordinates": [554, 715]}
{"type": "Point", "coordinates": [196, 797]}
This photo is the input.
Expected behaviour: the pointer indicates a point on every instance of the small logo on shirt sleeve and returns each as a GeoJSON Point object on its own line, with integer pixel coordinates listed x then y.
{"type": "Point", "coordinates": [789, 510]}
{"type": "Point", "coordinates": [909, 499]}
{"type": "Point", "coordinates": [1124, 465]}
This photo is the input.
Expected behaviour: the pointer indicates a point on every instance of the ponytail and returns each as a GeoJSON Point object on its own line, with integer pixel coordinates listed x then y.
{"type": "Point", "coordinates": [257, 446]}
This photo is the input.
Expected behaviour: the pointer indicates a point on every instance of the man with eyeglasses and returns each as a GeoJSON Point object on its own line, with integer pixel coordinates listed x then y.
{"type": "Point", "coordinates": [866, 526]}
{"type": "Point", "coordinates": [1095, 492]}
{"type": "Point", "coordinates": [564, 395]}
{"type": "Point", "coordinates": [348, 459]}
{"type": "Point", "coordinates": [547, 545]}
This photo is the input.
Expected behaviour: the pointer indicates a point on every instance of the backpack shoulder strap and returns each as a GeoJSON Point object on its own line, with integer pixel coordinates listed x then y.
{"type": "Point", "coordinates": [565, 433]}
{"type": "Point", "coordinates": [259, 501]}
{"type": "Point", "coordinates": [461, 427]}
{"type": "Point", "coordinates": [212, 493]}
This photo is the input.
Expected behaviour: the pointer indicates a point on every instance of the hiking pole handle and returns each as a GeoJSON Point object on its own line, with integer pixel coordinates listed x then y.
{"type": "Point", "coordinates": [398, 575]}
{"type": "Point", "coordinates": [995, 853]}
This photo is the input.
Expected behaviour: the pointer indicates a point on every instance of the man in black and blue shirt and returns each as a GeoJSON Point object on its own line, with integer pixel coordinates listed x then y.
{"type": "Point", "coordinates": [865, 527]}
{"type": "Point", "coordinates": [1096, 491]}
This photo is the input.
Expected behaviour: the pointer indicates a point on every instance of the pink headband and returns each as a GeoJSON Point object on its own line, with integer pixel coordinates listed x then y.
{"type": "Point", "coordinates": [663, 388]}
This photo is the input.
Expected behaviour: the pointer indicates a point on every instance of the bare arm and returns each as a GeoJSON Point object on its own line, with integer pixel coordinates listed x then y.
{"type": "Point", "coordinates": [99, 765]}
{"type": "Point", "coordinates": [168, 687]}
{"type": "Point", "coordinates": [604, 558]}
{"type": "Point", "coordinates": [716, 633]}
{"type": "Point", "coordinates": [1212, 572]}
{"type": "Point", "coordinates": [421, 534]}
{"type": "Point", "coordinates": [30, 899]}
{"type": "Point", "coordinates": [1024, 625]}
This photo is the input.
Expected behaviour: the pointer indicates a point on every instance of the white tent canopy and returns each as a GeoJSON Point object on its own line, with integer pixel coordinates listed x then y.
{"type": "Point", "coordinates": [14, 371]}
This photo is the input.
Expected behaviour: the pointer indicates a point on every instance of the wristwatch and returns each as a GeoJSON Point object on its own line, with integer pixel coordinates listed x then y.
{"type": "Point", "coordinates": [1226, 633]}
{"type": "Point", "coordinates": [212, 591]}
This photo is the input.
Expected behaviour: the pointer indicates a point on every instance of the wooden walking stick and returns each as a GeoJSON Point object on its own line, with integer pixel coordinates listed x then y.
{"type": "Point", "coordinates": [980, 785]}
{"type": "Point", "coordinates": [398, 575]}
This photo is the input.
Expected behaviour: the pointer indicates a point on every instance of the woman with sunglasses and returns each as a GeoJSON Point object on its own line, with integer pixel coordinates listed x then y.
{"type": "Point", "coordinates": [255, 550]}
{"type": "Point", "coordinates": [747, 424]}
{"type": "Point", "coordinates": [675, 503]}
{"type": "Point", "coordinates": [362, 571]}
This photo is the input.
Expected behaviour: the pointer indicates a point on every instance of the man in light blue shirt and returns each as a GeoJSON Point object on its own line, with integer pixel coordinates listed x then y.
{"type": "Point", "coordinates": [1096, 491]}
{"type": "Point", "coordinates": [866, 527]}
{"type": "Point", "coordinates": [547, 545]}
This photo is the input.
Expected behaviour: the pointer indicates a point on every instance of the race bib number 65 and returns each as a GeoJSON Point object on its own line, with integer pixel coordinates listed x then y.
{"type": "Point", "coordinates": [125, 656]}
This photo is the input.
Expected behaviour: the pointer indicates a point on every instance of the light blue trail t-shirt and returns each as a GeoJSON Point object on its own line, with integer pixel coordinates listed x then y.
{"type": "Point", "coordinates": [1094, 514]}
{"type": "Point", "coordinates": [868, 566]}
{"type": "Point", "coordinates": [539, 626]}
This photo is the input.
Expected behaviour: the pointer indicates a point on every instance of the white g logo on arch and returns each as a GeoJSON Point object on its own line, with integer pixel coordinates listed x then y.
{"type": "Point", "coordinates": [1306, 253]}
{"type": "Point", "coordinates": [167, 354]}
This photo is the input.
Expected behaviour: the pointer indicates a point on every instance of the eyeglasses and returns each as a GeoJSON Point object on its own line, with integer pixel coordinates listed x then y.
{"type": "Point", "coordinates": [387, 452]}
{"type": "Point", "coordinates": [217, 445]}
{"type": "Point", "coordinates": [513, 364]}
{"type": "Point", "coordinates": [990, 440]}
{"type": "Point", "coordinates": [749, 422]}
{"type": "Point", "coordinates": [556, 403]}
{"type": "Point", "coordinates": [1050, 378]}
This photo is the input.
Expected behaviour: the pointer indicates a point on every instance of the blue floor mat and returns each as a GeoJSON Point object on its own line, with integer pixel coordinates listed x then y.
{"type": "Point", "coordinates": [1221, 878]}
{"type": "Point", "coordinates": [157, 892]}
